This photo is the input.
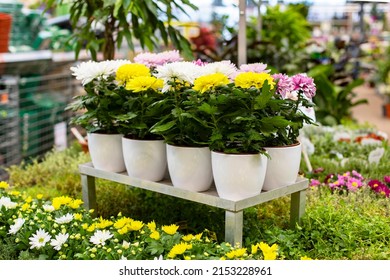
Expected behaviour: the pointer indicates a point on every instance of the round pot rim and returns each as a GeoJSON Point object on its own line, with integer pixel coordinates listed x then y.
{"type": "Point", "coordinates": [187, 147]}
{"type": "Point", "coordinates": [284, 146]}
{"type": "Point", "coordinates": [240, 154]}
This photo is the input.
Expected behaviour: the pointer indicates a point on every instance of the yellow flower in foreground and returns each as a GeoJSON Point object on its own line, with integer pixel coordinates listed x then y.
{"type": "Point", "coordinates": [39, 196]}
{"type": "Point", "coordinates": [210, 82]}
{"type": "Point", "coordinates": [103, 223]}
{"type": "Point", "coordinates": [251, 79]}
{"type": "Point", "coordinates": [236, 253]}
{"type": "Point", "coordinates": [155, 235]}
{"type": "Point", "coordinates": [254, 249]}
{"type": "Point", "coordinates": [135, 225]}
{"type": "Point", "coordinates": [120, 223]}
{"type": "Point", "coordinates": [144, 83]}
{"type": "Point", "coordinates": [78, 216]}
{"type": "Point", "coordinates": [187, 237]}
{"type": "Point", "coordinates": [4, 185]}
{"type": "Point", "coordinates": [305, 258]}
{"type": "Point", "coordinates": [179, 249]}
{"type": "Point", "coordinates": [74, 204]}
{"type": "Point", "coordinates": [61, 200]}
{"type": "Point", "coordinates": [127, 72]}
{"type": "Point", "coordinates": [269, 252]}
{"type": "Point", "coordinates": [151, 226]}
{"type": "Point", "coordinates": [170, 229]}
{"type": "Point", "coordinates": [25, 206]}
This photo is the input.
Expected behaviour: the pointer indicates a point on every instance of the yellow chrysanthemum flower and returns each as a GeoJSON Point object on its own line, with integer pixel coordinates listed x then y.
{"type": "Point", "coordinates": [269, 252]}
{"type": "Point", "coordinates": [28, 199]}
{"type": "Point", "coordinates": [210, 82]}
{"type": "Point", "coordinates": [85, 226]}
{"type": "Point", "coordinates": [91, 228]}
{"type": "Point", "coordinates": [4, 185]}
{"type": "Point", "coordinates": [251, 79]}
{"type": "Point", "coordinates": [155, 235]}
{"type": "Point", "coordinates": [151, 226]}
{"type": "Point", "coordinates": [127, 72]}
{"type": "Point", "coordinates": [78, 216]}
{"type": "Point", "coordinates": [103, 223]}
{"type": "Point", "coordinates": [61, 200]}
{"type": "Point", "coordinates": [74, 204]}
{"type": "Point", "coordinates": [171, 230]}
{"type": "Point", "coordinates": [135, 225]}
{"type": "Point", "coordinates": [139, 84]}
{"type": "Point", "coordinates": [25, 206]}
{"type": "Point", "coordinates": [39, 196]}
{"type": "Point", "coordinates": [15, 193]}
{"type": "Point", "coordinates": [123, 230]}
{"type": "Point", "coordinates": [254, 249]}
{"type": "Point", "coordinates": [306, 258]}
{"type": "Point", "coordinates": [236, 253]}
{"type": "Point", "coordinates": [179, 249]}
{"type": "Point", "coordinates": [187, 237]}
{"type": "Point", "coordinates": [120, 223]}
{"type": "Point", "coordinates": [198, 236]}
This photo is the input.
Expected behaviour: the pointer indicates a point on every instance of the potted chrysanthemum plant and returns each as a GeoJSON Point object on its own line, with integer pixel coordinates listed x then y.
{"type": "Point", "coordinates": [96, 109]}
{"type": "Point", "coordinates": [294, 94]}
{"type": "Point", "coordinates": [241, 123]}
{"type": "Point", "coordinates": [144, 151]}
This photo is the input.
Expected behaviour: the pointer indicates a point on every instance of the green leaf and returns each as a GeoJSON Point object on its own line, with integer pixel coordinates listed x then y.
{"type": "Point", "coordinates": [163, 127]}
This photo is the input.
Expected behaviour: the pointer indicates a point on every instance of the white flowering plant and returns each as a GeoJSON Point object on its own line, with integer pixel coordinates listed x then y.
{"type": "Point", "coordinates": [61, 229]}
{"type": "Point", "coordinates": [96, 110]}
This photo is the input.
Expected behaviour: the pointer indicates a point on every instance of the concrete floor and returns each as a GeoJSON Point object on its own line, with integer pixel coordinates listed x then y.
{"type": "Point", "coordinates": [372, 112]}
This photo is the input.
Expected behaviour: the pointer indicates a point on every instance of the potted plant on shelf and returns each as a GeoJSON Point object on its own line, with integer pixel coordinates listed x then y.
{"type": "Point", "coordinates": [144, 152]}
{"type": "Point", "coordinates": [241, 123]}
{"type": "Point", "coordinates": [294, 96]}
{"type": "Point", "coordinates": [96, 111]}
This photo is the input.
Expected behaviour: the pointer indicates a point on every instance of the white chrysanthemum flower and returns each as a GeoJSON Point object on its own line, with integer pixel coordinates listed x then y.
{"type": "Point", "coordinates": [59, 240]}
{"type": "Point", "coordinates": [64, 219]}
{"type": "Point", "coordinates": [91, 70]}
{"type": "Point", "coordinates": [125, 244]}
{"type": "Point", "coordinates": [123, 258]}
{"type": "Point", "coordinates": [183, 71]}
{"type": "Point", "coordinates": [39, 239]}
{"type": "Point", "coordinates": [17, 226]}
{"type": "Point", "coordinates": [225, 67]}
{"type": "Point", "coordinates": [48, 208]}
{"type": "Point", "coordinates": [7, 203]}
{"type": "Point", "coordinates": [100, 237]}
{"type": "Point", "coordinates": [159, 258]}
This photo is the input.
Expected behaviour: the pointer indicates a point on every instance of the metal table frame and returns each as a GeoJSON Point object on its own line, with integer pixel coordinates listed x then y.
{"type": "Point", "coordinates": [233, 209]}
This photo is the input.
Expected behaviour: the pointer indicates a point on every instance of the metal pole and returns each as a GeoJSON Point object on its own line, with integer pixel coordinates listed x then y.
{"type": "Point", "coordinates": [242, 33]}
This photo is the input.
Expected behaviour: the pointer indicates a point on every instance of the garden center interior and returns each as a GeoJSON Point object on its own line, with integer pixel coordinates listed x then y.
{"type": "Point", "coordinates": [342, 46]}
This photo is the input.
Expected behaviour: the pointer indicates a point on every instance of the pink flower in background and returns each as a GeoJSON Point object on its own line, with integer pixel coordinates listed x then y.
{"type": "Point", "coordinates": [153, 60]}
{"type": "Point", "coordinates": [314, 183]}
{"type": "Point", "coordinates": [353, 184]}
{"type": "Point", "coordinates": [199, 62]}
{"type": "Point", "coordinates": [387, 180]}
{"type": "Point", "coordinates": [305, 84]}
{"type": "Point", "coordinates": [285, 85]}
{"type": "Point", "coordinates": [254, 67]}
{"type": "Point", "coordinates": [379, 187]}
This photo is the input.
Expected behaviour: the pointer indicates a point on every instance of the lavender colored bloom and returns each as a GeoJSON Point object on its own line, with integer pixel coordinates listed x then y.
{"type": "Point", "coordinates": [199, 62]}
{"type": "Point", "coordinates": [153, 60]}
{"type": "Point", "coordinates": [304, 84]}
{"type": "Point", "coordinates": [285, 84]}
{"type": "Point", "coordinates": [254, 67]}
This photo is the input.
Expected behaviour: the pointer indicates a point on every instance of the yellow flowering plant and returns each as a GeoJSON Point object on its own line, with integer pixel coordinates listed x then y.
{"type": "Point", "coordinates": [142, 106]}
{"type": "Point", "coordinates": [238, 112]}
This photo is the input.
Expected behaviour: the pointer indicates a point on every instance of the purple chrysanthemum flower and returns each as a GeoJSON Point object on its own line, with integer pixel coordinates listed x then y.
{"type": "Point", "coordinates": [156, 59]}
{"type": "Point", "coordinates": [387, 180]}
{"type": "Point", "coordinates": [374, 184]}
{"type": "Point", "coordinates": [304, 84]}
{"type": "Point", "coordinates": [254, 67]}
{"type": "Point", "coordinates": [284, 84]}
{"type": "Point", "coordinates": [314, 183]}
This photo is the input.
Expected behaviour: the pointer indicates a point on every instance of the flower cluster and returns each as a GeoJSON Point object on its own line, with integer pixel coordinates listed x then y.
{"type": "Point", "coordinates": [350, 181]}
{"type": "Point", "coordinates": [152, 60]}
{"type": "Point", "coordinates": [381, 187]}
{"type": "Point", "coordinates": [62, 229]}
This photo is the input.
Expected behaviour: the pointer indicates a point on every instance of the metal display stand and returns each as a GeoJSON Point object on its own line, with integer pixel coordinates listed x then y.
{"type": "Point", "coordinates": [233, 209]}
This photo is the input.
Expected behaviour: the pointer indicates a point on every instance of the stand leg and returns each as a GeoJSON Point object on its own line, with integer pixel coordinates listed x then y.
{"type": "Point", "coordinates": [89, 192]}
{"type": "Point", "coordinates": [298, 203]}
{"type": "Point", "coordinates": [233, 227]}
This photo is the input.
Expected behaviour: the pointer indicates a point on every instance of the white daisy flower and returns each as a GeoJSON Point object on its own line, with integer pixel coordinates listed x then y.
{"type": "Point", "coordinates": [64, 219]}
{"type": "Point", "coordinates": [39, 239]}
{"type": "Point", "coordinates": [100, 237]}
{"type": "Point", "coordinates": [59, 240]}
{"type": "Point", "coordinates": [7, 203]}
{"type": "Point", "coordinates": [183, 71]}
{"type": "Point", "coordinates": [17, 226]}
{"type": "Point", "coordinates": [48, 208]}
{"type": "Point", "coordinates": [125, 244]}
{"type": "Point", "coordinates": [225, 67]}
{"type": "Point", "coordinates": [91, 70]}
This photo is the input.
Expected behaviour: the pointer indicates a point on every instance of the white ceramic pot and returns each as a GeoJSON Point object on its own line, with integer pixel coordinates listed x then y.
{"type": "Point", "coordinates": [283, 166]}
{"type": "Point", "coordinates": [190, 167]}
{"type": "Point", "coordinates": [106, 151]}
{"type": "Point", "coordinates": [238, 176]}
{"type": "Point", "coordinates": [145, 159]}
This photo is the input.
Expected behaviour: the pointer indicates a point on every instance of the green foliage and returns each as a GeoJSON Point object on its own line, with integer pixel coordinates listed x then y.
{"type": "Point", "coordinates": [100, 106]}
{"type": "Point", "coordinates": [124, 20]}
{"type": "Point", "coordinates": [333, 102]}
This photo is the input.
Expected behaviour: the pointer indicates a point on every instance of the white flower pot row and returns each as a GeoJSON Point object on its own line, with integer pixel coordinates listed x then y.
{"type": "Point", "coordinates": [236, 177]}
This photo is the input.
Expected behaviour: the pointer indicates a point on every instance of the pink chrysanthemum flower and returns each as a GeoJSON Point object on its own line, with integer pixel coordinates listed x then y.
{"type": "Point", "coordinates": [284, 86]}
{"type": "Point", "coordinates": [387, 180]}
{"type": "Point", "coordinates": [254, 67]}
{"type": "Point", "coordinates": [304, 84]}
{"type": "Point", "coordinates": [314, 183]}
{"type": "Point", "coordinates": [153, 60]}
{"type": "Point", "coordinates": [353, 184]}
